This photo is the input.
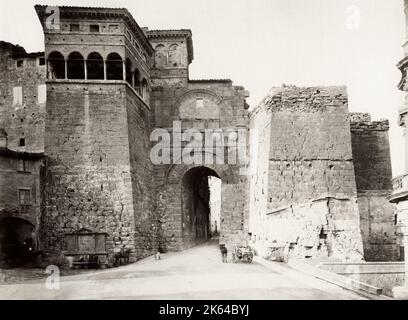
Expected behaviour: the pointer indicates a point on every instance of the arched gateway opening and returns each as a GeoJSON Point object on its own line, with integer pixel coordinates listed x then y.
{"type": "Point", "coordinates": [201, 205]}
{"type": "Point", "coordinates": [16, 241]}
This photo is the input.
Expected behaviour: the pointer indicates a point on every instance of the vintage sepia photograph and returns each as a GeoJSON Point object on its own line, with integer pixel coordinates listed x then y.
{"type": "Point", "coordinates": [204, 150]}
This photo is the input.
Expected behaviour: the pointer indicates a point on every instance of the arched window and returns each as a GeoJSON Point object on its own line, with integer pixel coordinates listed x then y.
{"type": "Point", "coordinates": [128, 71]}
{"type": "Point", "coordinates": [144, 88]}
{"type": "Point", "coordinates": [160, 56]}
{"type": "Point", "coordinates": [137, 82]}
{"type": "Point", "coordinates": [174, 56]}
{"type": "Point", "coordinates": [114, 67]}
{"type": "Point", "coordinates": [94, 66]}
{"type": "Point", "coordinates": [75, 66]}
{"type": "Point", "coordinates": [56, 65]}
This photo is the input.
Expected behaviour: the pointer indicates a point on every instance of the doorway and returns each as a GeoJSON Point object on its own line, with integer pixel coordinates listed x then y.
{"type": "Point", "coordinates": [201, 199]}
{"type": "Point", "coordinates": [16, 241]}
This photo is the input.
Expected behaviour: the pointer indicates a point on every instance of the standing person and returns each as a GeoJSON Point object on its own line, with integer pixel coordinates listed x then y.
{"type": "Point", "coordinates": [224, 253]}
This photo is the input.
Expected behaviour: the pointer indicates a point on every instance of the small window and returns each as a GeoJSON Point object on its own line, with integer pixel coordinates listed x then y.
{"type": "Point", "coordinates": [200, 103]}
{"type": "Point", "coordinates": [41, 61]}
{"type": "Point", "coordinates": [20, 63]}
{"type": "Point", "coordinates": [94, 28]}
{"type": "Point", "coordinates": [22, 142]}
{"type": "Point", "coordinates": [74, 27]}
{"type": "Point", "coordinates": [23, 165]}
{"type": "Point", "coordinates": [24, 197]}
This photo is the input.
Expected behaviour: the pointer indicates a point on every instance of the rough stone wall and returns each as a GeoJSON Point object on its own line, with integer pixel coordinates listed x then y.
{"type": "Point", "coordinates": [89, 181]}
{"type": "Point", "coordinates": [371, 152]}
{"type": "Point", "coordinates": [377, 222]}
{"type": "Point", "coordinates": [260, 147]}
{"type": "Point", "coordinates": [141, 170]}
{"type": "Point", "coordinates": [311, 195]}
{"type": "Point", "coordinates": [24, 119]}
{"type": "Point", "coordinates": [372, 163]}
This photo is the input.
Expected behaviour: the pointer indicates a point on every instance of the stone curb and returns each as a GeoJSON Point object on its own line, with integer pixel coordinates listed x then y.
{"type": "Point", "coordinates": [335, 278]}
{"type": "Point", "coordinates": [355, 286]}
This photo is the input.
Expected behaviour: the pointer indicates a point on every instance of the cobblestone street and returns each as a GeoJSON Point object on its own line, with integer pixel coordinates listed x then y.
{"type": "Point", "coordinates": [197, 273]}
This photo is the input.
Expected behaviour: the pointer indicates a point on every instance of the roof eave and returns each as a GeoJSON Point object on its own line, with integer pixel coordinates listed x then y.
{"type": "Point", "coordinates": [97, 11]}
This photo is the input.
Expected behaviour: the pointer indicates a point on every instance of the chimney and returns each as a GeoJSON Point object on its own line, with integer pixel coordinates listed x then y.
{"type": "Point", "coordinates": [3, 138]}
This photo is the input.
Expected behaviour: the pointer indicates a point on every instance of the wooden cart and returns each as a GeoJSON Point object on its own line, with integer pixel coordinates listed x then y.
{"type": "Point", "coordinates": [243, 253]}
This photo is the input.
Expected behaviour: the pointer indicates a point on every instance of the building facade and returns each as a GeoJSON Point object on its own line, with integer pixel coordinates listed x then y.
{"type": "Point", "coordinates": [20, 200]}
{"type": "Point", "coordinates": [22, 120]}
{"type": "Point", "coordinates": [400, 183]}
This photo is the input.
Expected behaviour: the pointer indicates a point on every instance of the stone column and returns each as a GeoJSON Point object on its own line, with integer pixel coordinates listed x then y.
{"type": "Point", "coordinates": [66, 69]}
{"type": "Point", "coordinates": [85, 70]}
{"type": "Point", "coordinates": [402, 122]}
{"type": "Point", "coordinates": [405, 148]}
{"type": "Point", "coordinates": [47, 68]}
{"type": "Point", "coordinates": [104, 70]}
{"type": "Point", "coordinates": [124, 70]}
{"type": "Point", "coordinates": [133, 79]}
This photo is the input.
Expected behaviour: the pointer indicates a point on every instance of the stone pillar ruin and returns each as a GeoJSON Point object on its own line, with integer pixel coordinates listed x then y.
{"type": "Point", "coordinates": [304, 188]}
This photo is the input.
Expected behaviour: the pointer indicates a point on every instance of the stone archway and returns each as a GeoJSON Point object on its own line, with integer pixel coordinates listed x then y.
{"type": "Point", "coordinates": [17, 240]}
{"type": "Point", "coordinates": [173, 203]}
{"type": "Point", "coordinates": [196, 206]}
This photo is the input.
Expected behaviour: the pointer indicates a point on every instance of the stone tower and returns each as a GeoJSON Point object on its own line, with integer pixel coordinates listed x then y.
{"type": "Point", "coordinates": [99, 175]}
{"type": "Point", "coordinates": [173, 52]}
{"type": "Point", "coordinates": [201, 105]}
{"type": "Point", "coordinates": [303, 191]}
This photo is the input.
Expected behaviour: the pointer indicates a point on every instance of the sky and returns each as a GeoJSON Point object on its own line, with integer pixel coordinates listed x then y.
{"type": "Point", "coordinates": [264, 43]}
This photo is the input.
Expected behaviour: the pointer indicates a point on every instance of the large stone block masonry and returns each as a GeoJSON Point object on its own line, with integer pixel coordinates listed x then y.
{"type": "Point", "coordinates": [305, 198]}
